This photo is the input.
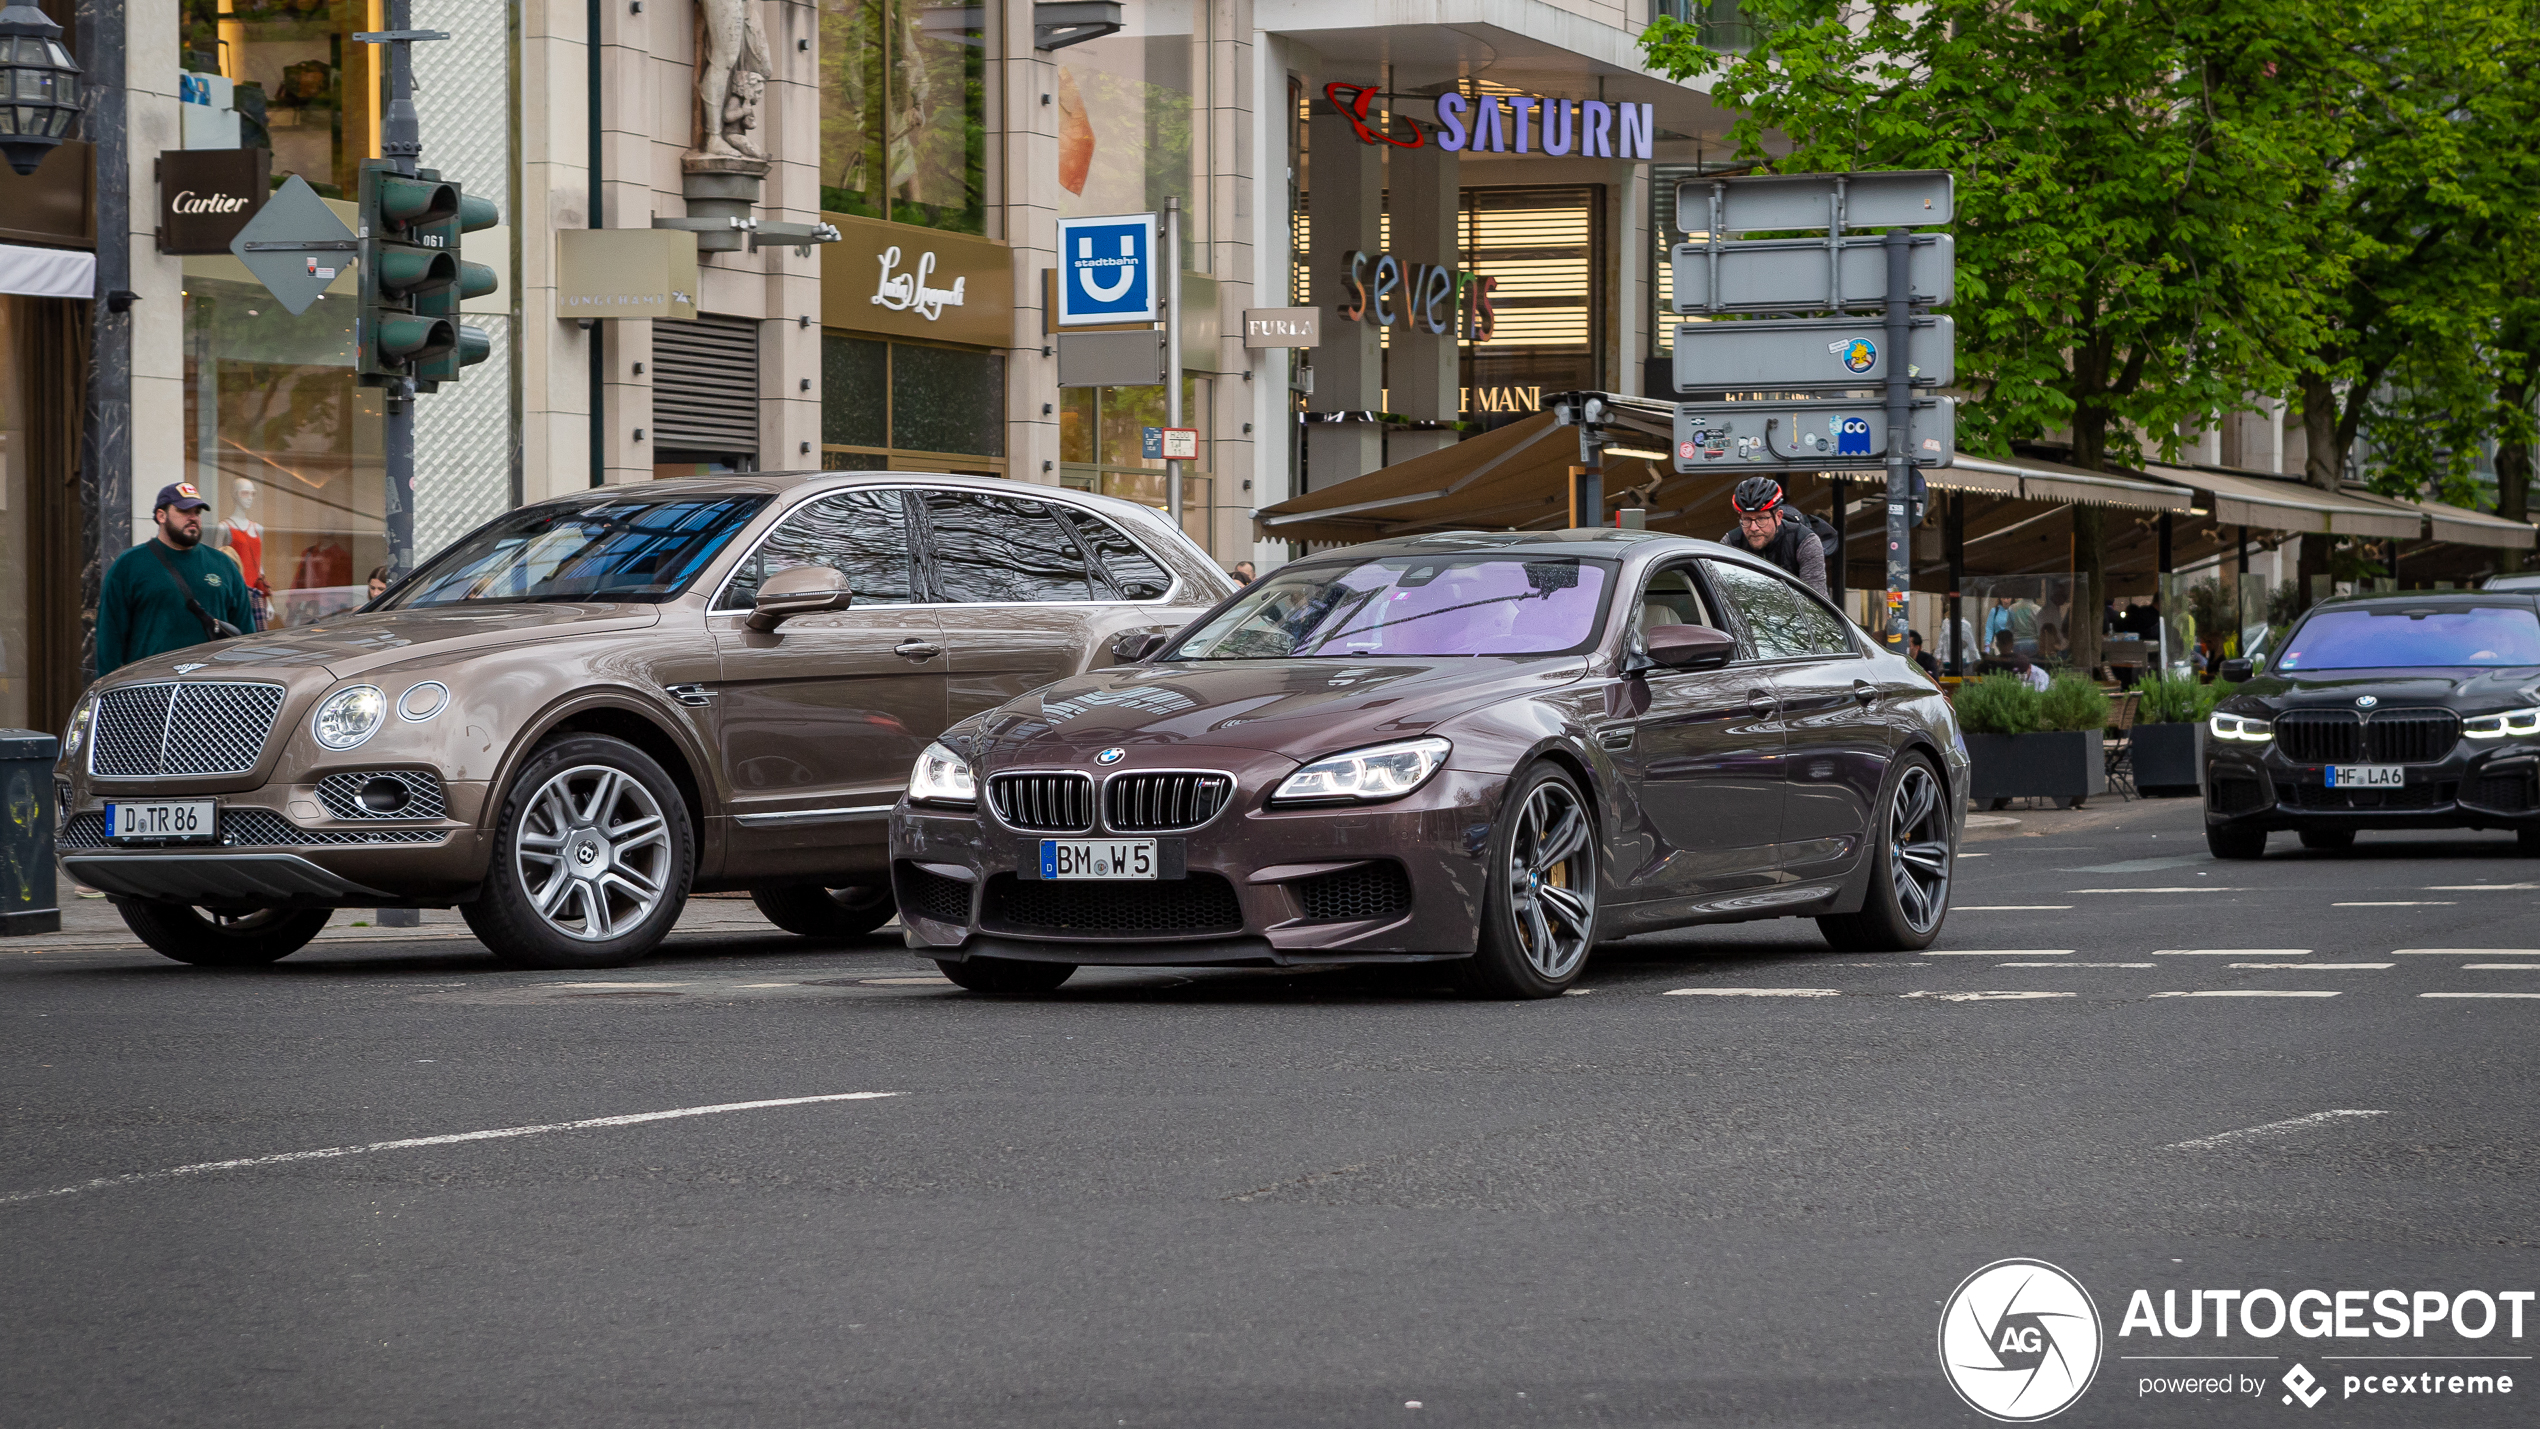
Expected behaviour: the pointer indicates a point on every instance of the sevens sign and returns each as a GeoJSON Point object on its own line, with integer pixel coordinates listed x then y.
{"type": "Point", "coordinates": [1354, 109]}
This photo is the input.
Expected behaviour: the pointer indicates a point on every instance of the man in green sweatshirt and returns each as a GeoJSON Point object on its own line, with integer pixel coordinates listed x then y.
{"type": "Point", "coordinates": [144, 609]}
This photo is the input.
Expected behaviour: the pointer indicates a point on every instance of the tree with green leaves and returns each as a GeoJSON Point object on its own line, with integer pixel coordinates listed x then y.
{"type": "Point", "coordinates": [2128, 177]}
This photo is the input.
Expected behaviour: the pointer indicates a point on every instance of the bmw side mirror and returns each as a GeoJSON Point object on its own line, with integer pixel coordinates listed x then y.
{"type": "Point", "coordinates": [2237, 671]}
{"type": "Point", "coordinates": [1689, 647]}
{"type": "Point", "coordinates": [800, 591]}
{"type": "Point", "coordinates": [1137, 645]}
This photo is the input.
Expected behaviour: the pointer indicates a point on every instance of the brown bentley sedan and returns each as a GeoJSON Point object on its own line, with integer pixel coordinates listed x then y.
{"type": "Point", "coordinates": [590, 708]}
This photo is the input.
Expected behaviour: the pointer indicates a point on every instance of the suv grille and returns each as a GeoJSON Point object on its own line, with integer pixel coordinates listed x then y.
{"type": "Point", "coordinates": [1199, 905]}
{"type": "Point", "coordinates": [1139, 803]}
{"type": "Point", "coordinates": [1044, 803]}
{"type": "Point", "coordinates": [250, 828]}
{"type": "Point", "coordinates": [2387, 737]}
{"type": "Point", "coordinates": [341, 794]}
{"type": "Point", "coordinates": [207, 728]}
{"type": "Point", "coordinates": [1374, 890]}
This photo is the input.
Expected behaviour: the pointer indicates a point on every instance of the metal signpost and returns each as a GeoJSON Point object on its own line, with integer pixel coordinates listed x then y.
{"type": "Point", "coordinates": [1813, 365]}
{"type": "Point", "coordinates": [1108, 273]}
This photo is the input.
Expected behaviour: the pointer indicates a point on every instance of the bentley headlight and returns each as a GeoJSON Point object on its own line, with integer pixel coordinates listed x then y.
{"type": "Point", "coordinates": [2241, 727]}
{"type": "Point", "coordinates": [1363, 776]}
{"type": "Point", "coordinates": [2512, 724]}
{"type": "Point", "coordinates": [75, 738]}
{"type": "Point", "coordinates": [942, 777]}
{"type": "Point", "coordinates": [348, 717]}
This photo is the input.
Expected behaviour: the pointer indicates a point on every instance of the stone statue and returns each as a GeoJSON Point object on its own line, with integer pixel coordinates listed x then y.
{"type": "Point", "coordinates": [732, 73]}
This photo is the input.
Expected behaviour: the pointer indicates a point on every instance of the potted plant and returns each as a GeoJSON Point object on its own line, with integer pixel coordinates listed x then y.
{"type": "Point", "coordinates": [2031, 744]}
{"type": "Point", "coordinates": [2169, 734]}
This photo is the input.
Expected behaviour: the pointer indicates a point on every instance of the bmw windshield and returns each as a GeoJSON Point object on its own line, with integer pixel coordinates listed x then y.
{"type": "Point", "coordinates": [2399, 639]}
{"type": "Point", "coordinates": [605, 549]}
{"type": "Point", "coordinates": [1410, 607]}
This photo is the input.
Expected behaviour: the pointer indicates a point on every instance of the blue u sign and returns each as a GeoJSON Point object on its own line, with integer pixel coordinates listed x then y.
{"type": "Point", "coordinates": [1106, 270]}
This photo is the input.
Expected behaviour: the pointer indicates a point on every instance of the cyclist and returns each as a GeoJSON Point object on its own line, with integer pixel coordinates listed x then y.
{"type": "Point", "coordinates": [1768, 527]}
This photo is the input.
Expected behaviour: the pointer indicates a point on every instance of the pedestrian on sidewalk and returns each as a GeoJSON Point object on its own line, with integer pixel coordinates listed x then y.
{"type": "Point", "coordinates": [170, 591]}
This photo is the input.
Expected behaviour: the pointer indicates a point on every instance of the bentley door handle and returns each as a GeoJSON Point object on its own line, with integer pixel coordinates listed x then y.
{"type": "Point", "coordinates": [916, 649]}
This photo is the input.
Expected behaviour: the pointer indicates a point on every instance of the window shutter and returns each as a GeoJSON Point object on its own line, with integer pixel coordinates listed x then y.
{"type": "Point", "coordinates": [705, 384]}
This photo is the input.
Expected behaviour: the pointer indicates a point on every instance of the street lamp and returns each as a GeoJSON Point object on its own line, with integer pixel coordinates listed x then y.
{"type": "Point", "coordinates": [39, 86]}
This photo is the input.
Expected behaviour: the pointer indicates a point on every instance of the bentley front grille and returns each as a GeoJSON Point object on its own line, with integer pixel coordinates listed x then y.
{"type": "Point", "coordinates": [146, 731]}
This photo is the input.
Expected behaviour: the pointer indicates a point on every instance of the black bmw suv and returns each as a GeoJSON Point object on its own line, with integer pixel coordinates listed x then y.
{"type": "Point", "coordinates": [2417, 711]}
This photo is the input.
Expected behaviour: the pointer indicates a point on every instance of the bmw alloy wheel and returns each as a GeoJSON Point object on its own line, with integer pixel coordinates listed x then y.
{"type": "Point", "coordinates": [594, 852]}
{"type": "Point", "coordinates": [1918, 847]}
{"type": "Point", "coordinates": [1552, 882]}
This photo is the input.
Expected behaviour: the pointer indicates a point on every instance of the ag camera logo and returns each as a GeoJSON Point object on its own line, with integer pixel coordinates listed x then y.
{"type": "Point", "coordinates": [2019, 1340]}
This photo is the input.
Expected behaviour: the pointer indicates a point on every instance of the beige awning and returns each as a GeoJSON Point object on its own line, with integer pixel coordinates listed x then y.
{"type": "Point", "coordinates": [1497, 479]}
{"type": "Point", "coordinates": [2282, 504]}
{"type": "Point", "coordinates": [2465, 527]}
{"type": "Point", "coordinates": [2034, 480]}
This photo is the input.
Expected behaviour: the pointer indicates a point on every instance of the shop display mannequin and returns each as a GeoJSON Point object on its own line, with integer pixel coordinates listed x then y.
{"type": "Point", "coordinates": [243, 537]}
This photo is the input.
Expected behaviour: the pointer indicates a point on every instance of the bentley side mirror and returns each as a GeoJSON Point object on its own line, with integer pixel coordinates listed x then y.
{"type": "Point", "coordinates": [1136, 645]}
{"type": "Point", "coordinates": [800, 591]}
{"type": "Point", "coordinates": [1689, 647]}
{"type": "Point", "coordinates": [2237, 671]}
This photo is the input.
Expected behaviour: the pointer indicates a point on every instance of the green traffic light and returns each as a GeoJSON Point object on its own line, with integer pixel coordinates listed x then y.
{"type": "Point", "coordinates": [474, 346]}
{"type": "Point", "coordinates": [412, 340]}
{"type": "Point", "coordinates": [476, 280]}
{"type": "Point", "coordinates": [405, 200]}
{"type": "Point", "coordinates": [475, 213]}
{"type": "Point", "coordinates": [417, 270]}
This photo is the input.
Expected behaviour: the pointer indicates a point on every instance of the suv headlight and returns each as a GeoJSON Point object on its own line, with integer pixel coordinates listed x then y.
{"type": "Point", "coordinates": [75, 738]}
{"type": "Point", "coordinates": [2512, 724]}
{"type": "Point", "coordinates": [942, 777]}
{"type": "Point", "coordinates": [1363, 776]}
{"type": "Point", "coordinates": [2241, 727]}
{"type": "Point", "coordinates": [348, 717]}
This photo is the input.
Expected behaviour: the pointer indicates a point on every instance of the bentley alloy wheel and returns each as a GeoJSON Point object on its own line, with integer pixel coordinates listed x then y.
{"type": "Point", "coordinates": [593, 853]}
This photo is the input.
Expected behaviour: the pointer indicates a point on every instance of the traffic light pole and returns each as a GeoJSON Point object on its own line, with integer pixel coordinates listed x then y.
{"type": "Point", "coordinates": [401, 144]}
{"type": "Point", "coordinates": [1900, 433]}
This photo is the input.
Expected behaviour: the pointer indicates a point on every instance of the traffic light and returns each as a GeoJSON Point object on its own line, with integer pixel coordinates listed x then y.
{"type": "Point", "coordinates": [406, 262]}
{"type": "Point", "coordinates": [470, 345]}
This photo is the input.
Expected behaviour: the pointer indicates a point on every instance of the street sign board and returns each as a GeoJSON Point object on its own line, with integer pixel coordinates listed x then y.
{"type": "Point", "coordinates": [1790, 274]}
{"type": "Point", "coordinates": [1111, 359]}
{"type": "Point", "coordinates": [1904, 198]}
{"type": "Point", "coordinates": [295, 245]}
{"type": "Point", "coordinates": [1107, 270]}
{"type": "Point", "coordinates": [1808, 353]}
{"type": "Point", "coordinates": [1807, 435]}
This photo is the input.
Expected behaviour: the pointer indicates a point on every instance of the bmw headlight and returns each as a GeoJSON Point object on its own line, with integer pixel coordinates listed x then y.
{"type": "Point", "coordinates": [2512, 724]}
{"type": "Point", "coordinates": [2241, 727]}
{"type": "Point", "coordinates": [942, 777]}
{"type": "Point", "coordinates": [1363, 776]}
{"type": "Point", "coordinates": [76, 737]}
{"type": "Point", "coordinates": [348, 717]}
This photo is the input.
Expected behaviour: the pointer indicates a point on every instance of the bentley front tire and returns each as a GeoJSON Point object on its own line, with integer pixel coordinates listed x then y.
{"type": "Point", "coordinates": [592, 859]}
{"type": "Point", "coordinates": [214, 938]}
{"type": "Point", "coordinates": [1911, 861]}
{"type": "Point", "coordinates": [1539, 906]}
{"type": "Point", "coordinates": [811, 911]}
{"type": "Point", "coordinates": [1007, 977]}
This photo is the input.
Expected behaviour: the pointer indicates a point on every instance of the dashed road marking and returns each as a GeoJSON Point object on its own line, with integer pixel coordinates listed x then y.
{"type": "Point", "coordinates": [2479, 887]}
{"type": "Point", "coordinates": [2273, 1128]}
{"type": "Point", "coordinates": [2073, 965]}
{"type": "Point", "coordinates": [1987, 996]}
{"type": "Point", "coordinates": [2001, 953]}
{"type": "Point", "coordinates": [2465, 952]}
{"type": "Point", "coordinates": [2500, 967]}
{"type": "Point", "coordinates": [2402, 903]}
{"type": "Point", "coordinates": [2244, 992]}
{"type": "Point", "coordinates": [2011, 908]}
{"type": "Point", "coordinates": [2480, 994]}
{"type": "Point", "coordinates": [2231, 952]}
{"type": "Point", "coordinates": [1751, 992]}
{"type": "Point", "coordinates": [2190, 888]}
{"type": "Point", "coordinates": [2331, 967]}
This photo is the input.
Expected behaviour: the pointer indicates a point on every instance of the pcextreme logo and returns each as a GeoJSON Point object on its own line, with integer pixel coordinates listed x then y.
{"type": "Point", "coordinates": [2019, 1340]}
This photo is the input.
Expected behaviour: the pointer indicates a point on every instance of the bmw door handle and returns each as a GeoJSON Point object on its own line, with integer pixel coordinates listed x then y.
{"type": "Point", "coordinates": [1864, 691]}
{"type": "Point", "coordinates": [917, 649]}
{"type": "Point", "coordinates": [1760, 701]}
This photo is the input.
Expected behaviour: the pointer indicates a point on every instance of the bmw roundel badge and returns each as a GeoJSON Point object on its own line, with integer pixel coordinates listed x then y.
{"type": "Point", "coordinates": [2365, 702]}
{"type": "Point", "coordinates": [1110, 756]}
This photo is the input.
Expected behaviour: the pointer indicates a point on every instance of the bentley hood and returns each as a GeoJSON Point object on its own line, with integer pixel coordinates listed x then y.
{"type": "Point", "coordinates": [1296, 708]}
{"type": "Point", "coordinates": [345, 646]}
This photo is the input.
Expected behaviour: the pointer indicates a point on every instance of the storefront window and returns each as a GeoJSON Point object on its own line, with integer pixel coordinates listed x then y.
{"type": "Point", "coordinates": [1102, 443]}
{"type": "Point", "coordinates": [904, 113]}
{"type": "Point", "coordinates": [2025, 618]}
{"type": "Point", "coordinates": [1541, 246]}
{"type": "Point", "coordinates": [906, 406]}
{"type": "Point", "coordinates": [1133, 120]}
{"type": "Point", "coordinates": [301, 85]}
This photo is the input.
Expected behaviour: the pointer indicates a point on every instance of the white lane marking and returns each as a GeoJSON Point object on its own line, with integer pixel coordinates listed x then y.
{"type": "Point", "coordinates": [2001, 953]}
{"type": "Point", "coordinates": [2010, 908]}
{"type": "Point", "coordinates": [905, 981]}
{"type": "Point", "coordinates": [2479, 994]}
{"type": "Point", "coordinates": [2465, 952]}
{"type": "Point", "coordinates": [2244, 992]}
{"type": "Point", "coordinates": [2073, 965]}
{"type": "Point", "coordinates": [2402, 903]}
{"type": "Point", "coordinates": [1975, 855]}
{"type": "Point", "coordinates": [2231, 952]}
{"type": "Point", "coordinates": [408, 1143]}
{"type": "Point", "coordinates": [2478, 887]}
{"type": "Point", "coordinates": [1565, 992]}
{"type": "Point", "coordinates": [2193, 888]}
{"type": "Point", "coordinates": [617, 984]}
{"type": "Point", "coordinates": [1986, 996]}
{"type": "Point", "coordinates": [2273, 1128]}
{"type": "Point", "coordinates": [2500, 967]}
{"type": "Point", "coordinates": [1751, 992]}
{"type": "Point", "coordinates": [2333, 967]}
{"type": "Point", "coordinates": [747, 985]}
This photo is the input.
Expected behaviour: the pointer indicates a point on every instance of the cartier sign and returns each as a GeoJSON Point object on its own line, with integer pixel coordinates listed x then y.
{"type": "Point", "coordinates": [207, 195]}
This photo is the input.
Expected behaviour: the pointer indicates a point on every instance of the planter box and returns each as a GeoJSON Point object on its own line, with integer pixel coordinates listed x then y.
{"type": "Point", "coordinates": [2064, 764]}
{"type": "Point", "coordinates": [2169, 760]}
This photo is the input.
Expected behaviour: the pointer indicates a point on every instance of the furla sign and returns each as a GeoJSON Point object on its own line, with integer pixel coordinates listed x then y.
{"type": "Point", "coordinates": [207, 195]}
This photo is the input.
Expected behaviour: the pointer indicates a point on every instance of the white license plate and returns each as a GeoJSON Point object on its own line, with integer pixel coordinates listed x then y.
{"type": "Point", "coordinates": [2367, 776]}
{"type": "Point", "coordinates": [164, 821]}
{"type": "Point", "coordinates": [1097, 858]}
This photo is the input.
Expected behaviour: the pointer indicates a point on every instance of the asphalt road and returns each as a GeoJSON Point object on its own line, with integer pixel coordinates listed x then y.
{"type": "Point", "coordinates": [1297, 1199]}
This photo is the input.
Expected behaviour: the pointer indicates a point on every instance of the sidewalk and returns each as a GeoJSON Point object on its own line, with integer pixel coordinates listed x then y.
{"type": "Point", "coordinates": [94, 923]}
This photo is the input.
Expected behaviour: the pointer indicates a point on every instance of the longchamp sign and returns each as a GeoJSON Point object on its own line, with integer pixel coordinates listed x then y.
{"type": "Point", "coordinates": [1509, 123]}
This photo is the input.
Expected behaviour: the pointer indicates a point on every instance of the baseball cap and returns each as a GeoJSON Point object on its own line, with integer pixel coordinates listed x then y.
{"type": "Point", "coordinates": [182, 496]}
